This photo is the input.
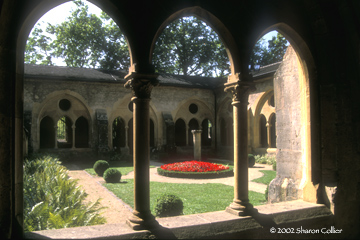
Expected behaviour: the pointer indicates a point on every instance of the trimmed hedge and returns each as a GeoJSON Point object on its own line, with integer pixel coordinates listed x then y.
{"type": "Point", "coordinates": [196, 175]}
{"type": "Point", "coordinates": [112, 175]}
{"type": "Point", "coordinates": [100, 166]}
{"type": "Point", "coordinates": [168, 205]}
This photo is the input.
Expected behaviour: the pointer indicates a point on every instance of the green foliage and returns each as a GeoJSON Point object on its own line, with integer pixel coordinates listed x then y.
{"type": "Point", "coordinates": [188, 46]}
{"type": "Point", "coordinates": [112, 175]}
{"type": "Point", "coordinates": [83, 40]}
{"type": "Point", "coordinates": [267, 193]}
{"type": "Point", "coordinates": [168, 205]}
{"type": "Point", "coordinates": [274, 165]}
{"type": "Point", "coordinates": [52, 200]}
{"type": "Point", "coordinates": [268, 176]}
{"type": "Point", "coordinates": [272, 51]}
{"type": "Point", "coordinates": [100, 166]}
{"type": "Point", "coordinates": [265, 159]}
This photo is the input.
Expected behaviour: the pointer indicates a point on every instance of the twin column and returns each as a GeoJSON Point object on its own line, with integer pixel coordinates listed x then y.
{"type": "Point", "coordinates": [141, 86]}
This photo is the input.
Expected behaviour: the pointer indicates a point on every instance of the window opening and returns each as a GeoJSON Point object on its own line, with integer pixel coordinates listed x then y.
{"type": "Point", "coordinates": [64, 104]}
{"type": "Point", "coordinates": [180, 132]}
{"type": "Point", "coordinates": [81, 133]}
{"type": "Point", "coordinates": [64, 132]}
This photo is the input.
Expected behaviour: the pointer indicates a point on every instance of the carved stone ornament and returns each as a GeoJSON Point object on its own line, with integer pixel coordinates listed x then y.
{"type": "Point", "coordinates": [240, 90]}
{"type": "Point", "coordinates": [141, 84]}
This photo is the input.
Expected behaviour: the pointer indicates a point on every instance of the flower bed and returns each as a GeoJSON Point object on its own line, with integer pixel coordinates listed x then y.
{"type": "Point", "coordinates": [195, 169]}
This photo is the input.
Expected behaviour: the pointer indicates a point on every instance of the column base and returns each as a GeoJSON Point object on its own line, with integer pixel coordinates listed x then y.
{"type": "Point", "coordinates": [241, 209]}
{"type": "Point", "coordinates": [143, 221]}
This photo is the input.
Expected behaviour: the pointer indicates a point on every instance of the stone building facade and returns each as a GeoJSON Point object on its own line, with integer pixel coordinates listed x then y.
{"type": "Point", "coordinates": [97, 112]}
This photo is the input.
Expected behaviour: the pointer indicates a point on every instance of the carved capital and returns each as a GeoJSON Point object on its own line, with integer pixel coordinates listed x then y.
{"type": "Point", "coordinates": [240, 90]}
{"type": "Point", "coordinates": [141, 84]}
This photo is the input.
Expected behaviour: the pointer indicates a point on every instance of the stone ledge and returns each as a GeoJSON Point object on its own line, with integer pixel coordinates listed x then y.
{"type": "Point", "coordinates": [206, 225]}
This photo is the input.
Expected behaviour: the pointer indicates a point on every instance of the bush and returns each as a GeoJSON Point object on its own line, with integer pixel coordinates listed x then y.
{"type": "Point", "coordinates": [100, 166]}
{"type": "Point", "coordinates": [112, 175]}
{"type": "Point", "coordinates": [265, 159]}
{"type": "Point", "coordinates": [168, 205]}
{"type": "Point", "coordinates": [251, 160]}
{"type": "Point", "coordinates": [52, 200]}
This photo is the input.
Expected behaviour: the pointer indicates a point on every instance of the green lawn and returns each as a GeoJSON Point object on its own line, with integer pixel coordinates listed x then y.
{"type": "Point", "coordinates": [197, 198]}
{"type": "Point", "coordinates": [268, 176]}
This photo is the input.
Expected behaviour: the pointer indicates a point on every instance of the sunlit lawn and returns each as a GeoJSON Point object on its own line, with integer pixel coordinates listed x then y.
{"type": "Point", "coordinates": [197, 198]}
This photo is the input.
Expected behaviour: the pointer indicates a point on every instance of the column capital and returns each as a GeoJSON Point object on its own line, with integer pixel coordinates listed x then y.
{"type": "Point", "coordinates": [240, 90]}
{"type": "Point", "coordinates": [141, 84]}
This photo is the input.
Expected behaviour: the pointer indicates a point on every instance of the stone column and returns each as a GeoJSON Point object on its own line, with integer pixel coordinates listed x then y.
{"type": "Point", "coordinates": [197, 144]}
{"type": "Point", "coordinates": [141, 86]}
{"type": "Point", "coordinates": [127, 139]}
{"type": "Point", "coordinates": [73, 136]}
{"type": "Point", "coordinates": [55, 129]}
{"type": "Point", "coordinates": [268, 129]}
{"type": "Point", "coordinates": [240, 91]}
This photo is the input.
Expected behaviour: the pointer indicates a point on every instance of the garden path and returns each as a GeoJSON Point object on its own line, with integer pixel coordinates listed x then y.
{"type": "Point", "coordinates": [117, 211]}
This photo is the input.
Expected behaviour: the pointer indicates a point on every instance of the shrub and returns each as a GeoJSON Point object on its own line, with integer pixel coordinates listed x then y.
{"type": "Point", "coordinates": [100, 166]}
{"type": "Point", "coordinates": [112, 175]}
{"type": "Point", "coordinates": [52, 200]}
{"type": "Point", "coordinates": [265, 159]}
{"type": "Point", "coordinates": [168, 205]}
{"type": "Point", "coordinates": [251, 160]}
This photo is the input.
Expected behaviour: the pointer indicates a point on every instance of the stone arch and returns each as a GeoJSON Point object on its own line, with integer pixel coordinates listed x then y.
{"type": "Point", "coordinates": [262, 108]}
{"type": "Point", "coordinates": [224, 120]}
{"type": "Point", "coordinates": [305, 176]}
{"type": "Point", "coordinates": [263, 131]}
{"type": "Point", "coordinates": [210, 19]}
{"type": "Point", "coordinates": [50, 107]}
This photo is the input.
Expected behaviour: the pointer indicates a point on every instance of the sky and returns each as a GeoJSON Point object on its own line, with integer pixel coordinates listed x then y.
{"type": "Point", "coordinates": [60, 13]}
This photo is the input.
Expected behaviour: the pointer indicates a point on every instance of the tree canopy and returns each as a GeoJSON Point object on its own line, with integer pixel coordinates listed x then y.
{"type": "Point", "coordinates": [268, 52]}
{"type": "Point", "coordinates": [188, 46]}
{"type": "Point", "coordinates": [84, 40]}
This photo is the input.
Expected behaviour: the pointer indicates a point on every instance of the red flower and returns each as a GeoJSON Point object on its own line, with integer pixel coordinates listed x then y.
{"type": "Point", "coordinates": [194, 166]}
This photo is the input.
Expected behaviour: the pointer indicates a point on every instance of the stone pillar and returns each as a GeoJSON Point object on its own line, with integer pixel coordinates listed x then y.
{"type": "Point", "coordinates": [73, 136]}
{"type": "Point", "coordinates": [141, 86]}
{"type": "Point", "coordinates": [240, 91]}
{"type": "Point", "coordinates": [55, 129]}
{"type": "Point", "coordinates": [197, 144]}
{"type": "Point", "coordinates": [268, 129]}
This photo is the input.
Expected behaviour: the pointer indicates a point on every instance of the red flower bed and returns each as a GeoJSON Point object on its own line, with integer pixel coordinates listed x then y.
{"type": "Point", "coordinates": [194, 166]}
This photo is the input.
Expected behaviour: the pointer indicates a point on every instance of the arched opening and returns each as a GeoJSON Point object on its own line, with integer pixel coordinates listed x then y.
{"type": "Point", "coordinates": [180, 132]}
{"type": "Point", "coordinates": [64, 132]}
{"type": "Point", "coordinates": [193, 125]}
{"type": "Point", "coordinates": [206, 134]}
{"type": "Point", "coordinates": [289, 126]}
{"type": "Point", "coordinates": [263, 132]}
{"type": "Point", "coordinates": [118, 134]}
{"type": "Point", "coordinates": [47, 133]}
{"type": "Point", "coordinates": [81, 133]}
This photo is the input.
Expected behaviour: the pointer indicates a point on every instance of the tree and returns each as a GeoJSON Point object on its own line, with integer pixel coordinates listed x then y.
{"type": "Point", "coordinates": [84, 40]}
{"type": "Point", "coordinates": [188, 46]}
{"type": "Point", "coordinates": [272, 52]}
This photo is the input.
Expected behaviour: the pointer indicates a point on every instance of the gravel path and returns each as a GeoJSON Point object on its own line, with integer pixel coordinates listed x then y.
{"type": "Point", "coordinates": [117, 211]}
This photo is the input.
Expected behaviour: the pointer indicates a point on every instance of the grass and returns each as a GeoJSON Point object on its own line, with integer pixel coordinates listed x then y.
{"type": "Point", "coordinates": [197, 198]}
{"type": "Point", "coordinates": [268, 176]}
